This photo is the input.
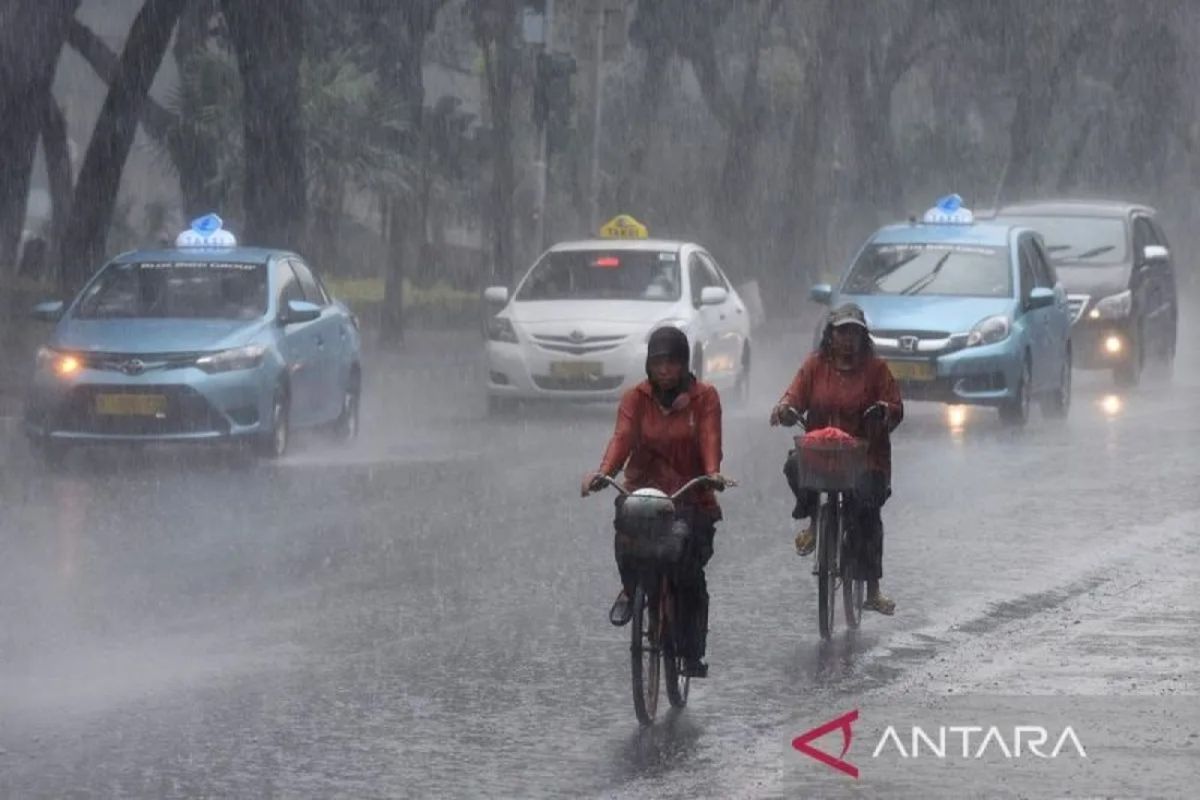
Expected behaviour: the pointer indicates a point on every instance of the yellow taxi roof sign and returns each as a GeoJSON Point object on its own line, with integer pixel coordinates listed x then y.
{"type": "Point", "coordinates": [624, 226]}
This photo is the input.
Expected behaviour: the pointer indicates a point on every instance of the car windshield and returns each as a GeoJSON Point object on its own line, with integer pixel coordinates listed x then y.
{"type": "Point", "coordinates": [186, 290]}
{"type": "Point", "coordinates": [1080, 240]}
{"type": "Point", "coordinates": [604, 275]}
{"type": "Point", "coordinates": [931, 269]}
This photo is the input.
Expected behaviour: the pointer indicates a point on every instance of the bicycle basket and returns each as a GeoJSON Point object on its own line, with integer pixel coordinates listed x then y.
{"type": "Point", "coordinates": [830, 464]}
{"type": "Point", "coordinates": [646, 528]}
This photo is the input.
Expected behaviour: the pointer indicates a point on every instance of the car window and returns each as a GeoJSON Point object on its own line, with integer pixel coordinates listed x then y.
{"type": "Point", "coordinates": [1143, 235]}
{"type": "Point", "coordinates": [313, 292]}
{"type": "Point", "coordinates": [931, 269]}
{"type": "Point", "coordinates": [1028, 276]}
{"type": "Point", "coordinates": [1079, 240]}
{"type": "Point", "coordinates": [176, 290]}
{"type": "Point", "coordinates": [604, 275]}
{"type": "Point", "coordinates": [702, 276]}
{"type": "Point", "coordinates": [1045, 267]}
{"type": "Point", "coordinates": [715, 274]}
{"type": "Point", "coordinates": [1042, 277]}
{"type": "Point", "coordinates": [289, 288]}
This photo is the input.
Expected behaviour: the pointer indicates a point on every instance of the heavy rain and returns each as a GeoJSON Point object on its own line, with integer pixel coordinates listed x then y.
{"type": "Point", "coordinates": [291, 447]}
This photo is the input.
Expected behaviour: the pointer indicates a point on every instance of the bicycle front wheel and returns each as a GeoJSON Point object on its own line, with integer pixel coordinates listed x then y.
{"type": "Point", "coordinates": [644, 650]}
{"type": "Point", "coordinates": [677, 682]}
{"type": "Point", "coordinates": [827, 544]}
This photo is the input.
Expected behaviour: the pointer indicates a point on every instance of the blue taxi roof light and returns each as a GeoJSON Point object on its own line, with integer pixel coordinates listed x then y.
{"type": "Point", "coordinates": [206, 231]}
{"type": "Point", "coordinates": [949, 210]}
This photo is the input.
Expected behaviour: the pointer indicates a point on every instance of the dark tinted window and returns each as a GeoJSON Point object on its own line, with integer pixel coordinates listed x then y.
{"type": "Point", "coordinates": [313, 292]}
{"type": "Point", "coordinates": [184, 290]}
{"type": "Point", "coordinates": [604, 275]}
{"type": "Point", "coordinates": [288, 286]}
{"type": "Point", "coordinates": [1082, 240]}
{"type": "Point", "coordinates": [701, 274]}
{"type": "Point", "coordinates": [931, 269]}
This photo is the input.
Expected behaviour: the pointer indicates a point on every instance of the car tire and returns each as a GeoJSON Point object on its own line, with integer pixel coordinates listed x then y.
{"type": "Point", "coordinates": [275, 440]}
{"type": "Point", "coordinates": [345, 428]}
{"type": "Point", "coordinates": [1015, 412]}
{"type": "Point", "coordinates": [500, 406]}
{"type": "Point", "coordinates": [1057, 404]}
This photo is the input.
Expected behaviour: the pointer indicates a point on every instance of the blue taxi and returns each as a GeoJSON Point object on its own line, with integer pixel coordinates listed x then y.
{"type": "Point", "coordinates": [207, 341]}
{"type": "Point", "coordinates": [965, 312]}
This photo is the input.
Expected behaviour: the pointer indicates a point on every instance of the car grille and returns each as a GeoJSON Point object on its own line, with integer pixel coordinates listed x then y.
{"type": "Point", "coordinates": [604, 383]}
{"type": "Point", "coordinates": [138, 363]}
{"type": "Point", "coordinates": [577, 346]}
{"type": "Point", "coordinates": [908, 342]}
{"type": "Point", "coordinates": [1077, 304]}
{"type": "Point", "coordinates": [187, 412]}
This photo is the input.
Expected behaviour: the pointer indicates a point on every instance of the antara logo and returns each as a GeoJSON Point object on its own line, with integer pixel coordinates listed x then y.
{"type": "Point", "coordinates": [974, 742]}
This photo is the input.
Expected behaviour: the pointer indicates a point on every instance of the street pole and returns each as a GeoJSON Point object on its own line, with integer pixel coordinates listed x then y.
{"type": "Point", "coordinates": [596, 108]}
{"type": "Point", "coordinates": [543, 165]}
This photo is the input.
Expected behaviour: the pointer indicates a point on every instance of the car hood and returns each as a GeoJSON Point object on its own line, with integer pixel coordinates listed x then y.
{"type": "Point", "coordinates": [628, 312]}
{"type": "Point", "coordinates": [1097, 281]}
{"type": "Point", "coordinates": [948, 314]}
{"type": "Point", "coordinates": [153, 335]}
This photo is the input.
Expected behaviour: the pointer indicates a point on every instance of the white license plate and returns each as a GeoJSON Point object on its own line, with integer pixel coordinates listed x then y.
{"type": "Point", "coordinates": [912, 370]}
{"type": "Point", "coordinates": [576, 369]}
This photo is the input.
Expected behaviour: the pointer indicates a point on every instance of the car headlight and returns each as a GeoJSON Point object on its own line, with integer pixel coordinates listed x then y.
{"type": "Point", "coordinates": [247, 357]}
{"type": "Point", "coordinates": [61, 364]}
{"type": "Point", "coordinates": [500, 329]}
{"type": "Point", "coordinates": [682, 324]}
{"type": "Point", "coordinates": [989, 331]}
{"type": "Point", "coordinates": [1116, 306]}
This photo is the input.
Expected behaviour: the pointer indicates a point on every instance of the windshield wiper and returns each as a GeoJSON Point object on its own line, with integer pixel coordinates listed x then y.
{"type": "Point", "coordinates": [920, 283]}
{"type": "Point", "coordinates": [1095, 251]}
{"type": "Point", "coordinates": [1054, 248]}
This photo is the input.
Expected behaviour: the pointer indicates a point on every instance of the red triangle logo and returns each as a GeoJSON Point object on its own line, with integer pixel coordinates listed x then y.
{"type": "Point", "coordinates": [844, 723]}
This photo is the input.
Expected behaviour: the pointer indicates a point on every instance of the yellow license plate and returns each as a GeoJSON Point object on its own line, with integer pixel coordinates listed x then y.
{"type": "Point", "coordinates": [912, 370]}
{"type": "Point", "coordinates": [576, 369]}
{"type": "Point", "coordinates": [131, 405]}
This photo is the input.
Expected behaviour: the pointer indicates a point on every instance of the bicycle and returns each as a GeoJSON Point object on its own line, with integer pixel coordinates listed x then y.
{"type": "Point", "coordinates": [656, 540]}
{"type": "Point", "coordinates": [832, 468]}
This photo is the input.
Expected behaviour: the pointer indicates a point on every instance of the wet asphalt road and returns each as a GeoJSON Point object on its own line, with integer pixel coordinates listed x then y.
{"type": "Point", "coordinates": [424, 614]}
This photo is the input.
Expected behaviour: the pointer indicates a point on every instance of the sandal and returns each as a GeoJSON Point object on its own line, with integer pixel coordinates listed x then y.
{"type": "Point", "coordinates": [806, 542]}
{"type": "Point", "coordinates": [881, 603]}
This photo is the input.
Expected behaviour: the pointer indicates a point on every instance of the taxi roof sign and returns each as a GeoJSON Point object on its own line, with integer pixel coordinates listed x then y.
{"type": "Point", "coordinates": [206, 231]}
{"type": "Point", "coordinates": [949, 210]}
{"type": "Point", "coordinates": [624, 226]}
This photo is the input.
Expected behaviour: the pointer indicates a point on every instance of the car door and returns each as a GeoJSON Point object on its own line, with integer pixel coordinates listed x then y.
{"type": "Point", "coordinates": [298, 345]}
{"type": "Point", "coordinates": [735, 324]}
{"type": "Point", "coordinates": [1170, 289]}
{"type": "Point", "coordinates": [1057, 317]}
{"type": "Point", "coordinates": [328, 386]}
{"type": "Point", "coordinates": [1151, 280]}
{"type": "Point", "coordinates": [708, 318]}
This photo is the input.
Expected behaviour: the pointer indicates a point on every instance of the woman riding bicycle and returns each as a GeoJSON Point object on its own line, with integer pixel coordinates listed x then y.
{"type": "Point", "coordinates": [669, 431]}
{"type": "Point", "coordinates": [845, 385]}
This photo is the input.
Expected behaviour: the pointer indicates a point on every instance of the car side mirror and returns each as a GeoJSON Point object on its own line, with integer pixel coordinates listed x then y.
{"type": "Point", "coordinates": [49, 311]}
{"type": "Point", "coordinates": [496, 295]}
{"type": "Point", "coordinates": [1041, 297]}
{"type": "Point", "coordinates": [297, 311]}
{"type": "Point", "coordinates": [1155, 254]}
{"type": "Point", "coordinates": [821, 293]}
{"type": "Point", "coordinates": [713, 295]}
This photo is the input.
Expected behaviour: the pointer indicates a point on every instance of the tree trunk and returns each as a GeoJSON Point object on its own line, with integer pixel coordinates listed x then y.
{"type": "Point", "coordinates": [269, 42]}
{"type": "Point", "coordinates": [499, 63]}
{"type": "Point", "coordinates": [58, 171]}
{"type": "Point", "coordinates": [192, 152]}
{"type": "Point", "coordinates": [100, 175]}
{"type": "Point", "coordinates": [31, 38]}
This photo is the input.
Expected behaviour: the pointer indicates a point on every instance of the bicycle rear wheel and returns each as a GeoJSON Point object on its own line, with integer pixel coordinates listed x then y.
{"type": "Point", "coordinates": [677, 683]}
{"type": "Point", "coordinates": [644, 650]}
{"type": "Point", "coordinates": [827, 544]}
{"type": "Point", "coordinates": [853, 590]}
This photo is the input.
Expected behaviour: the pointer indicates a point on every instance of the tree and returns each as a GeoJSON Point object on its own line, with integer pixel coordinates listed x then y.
{"type": "Point", "coordinates": [100, 175]}
{"type": "Point", "coordinates": [31, 38]}
{"type": "Point", "coordinates": [268, 42]}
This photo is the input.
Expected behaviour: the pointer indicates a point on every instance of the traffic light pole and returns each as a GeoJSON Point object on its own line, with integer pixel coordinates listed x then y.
{"type": "Point", "coordinates": [543, 144]}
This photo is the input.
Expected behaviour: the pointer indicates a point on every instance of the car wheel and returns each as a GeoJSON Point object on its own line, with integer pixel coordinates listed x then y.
{"type": "Point", "coordinates": [1015, 412]}
{"type": "Point", "coordinates": [275, 440]}
{"type": "Point", "coordinates": [346, 426]}
{"type": "Point", "coordinates": [500, 406]}
{"type": "Point", "coordinates": [1058, 403]}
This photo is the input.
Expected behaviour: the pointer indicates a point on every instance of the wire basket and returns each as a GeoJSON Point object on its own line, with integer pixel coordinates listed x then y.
{"type": "Point", "coordinates": [648, 530]}
{"type": "Point", "coordinates": [829, 465]}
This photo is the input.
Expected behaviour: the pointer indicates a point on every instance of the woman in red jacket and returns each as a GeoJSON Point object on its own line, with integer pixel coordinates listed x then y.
{"type": "Point", "coordinates": [669, 431]}
{"type": "Point", "coordinates": [845, 385]}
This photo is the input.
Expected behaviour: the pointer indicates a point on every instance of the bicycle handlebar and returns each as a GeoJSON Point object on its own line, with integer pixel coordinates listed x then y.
{"type": "Point", "coordinates": [803, 423]}
{"type": "Point", "coordinates": [687, 487]}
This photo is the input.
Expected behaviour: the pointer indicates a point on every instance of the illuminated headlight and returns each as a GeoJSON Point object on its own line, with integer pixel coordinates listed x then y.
{"type": "Point", "coordinates": [681, 324]}
{"type": "Point", "coordinates": [61, 364]}
{"type": "Point", "coordinates": [1117, 306]}
{"type": "Point", "coordinates": [500, 329]}
{"type": "Point", "coordinates": [247, 357]}
{"type": "Point", "coordinates": [1113, 344]}
{"type": "Point", "coordinates": [989, 331]}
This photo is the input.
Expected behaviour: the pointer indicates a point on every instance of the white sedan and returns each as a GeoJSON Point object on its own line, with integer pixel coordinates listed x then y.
{"type": "Point", "coordinates": [577, 324]}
